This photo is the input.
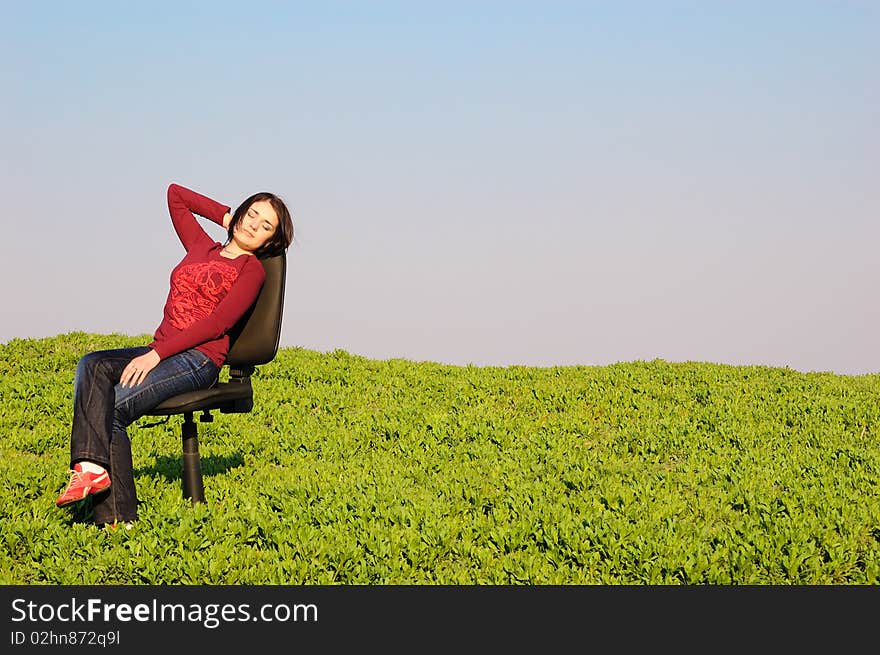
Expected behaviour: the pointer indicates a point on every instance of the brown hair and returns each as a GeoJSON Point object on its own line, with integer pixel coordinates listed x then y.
{"type": "Point", "coordinates": [283, 235]}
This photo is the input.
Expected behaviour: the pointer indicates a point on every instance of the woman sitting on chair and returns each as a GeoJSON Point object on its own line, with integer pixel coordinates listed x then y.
{"type": "Point", "coordinates": [211, 288]}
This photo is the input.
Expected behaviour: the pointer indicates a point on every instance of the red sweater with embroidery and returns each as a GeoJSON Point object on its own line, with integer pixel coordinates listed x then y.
{"type": "Point", "coordinates": [209, 292]}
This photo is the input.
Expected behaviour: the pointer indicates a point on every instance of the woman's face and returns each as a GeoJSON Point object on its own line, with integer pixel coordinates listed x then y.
{"type": "Point", "coordinates": [257, 226]}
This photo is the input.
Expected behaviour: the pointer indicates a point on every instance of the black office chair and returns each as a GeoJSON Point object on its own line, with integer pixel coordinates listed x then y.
{"type": "Point", "coordinates": [253, 342]}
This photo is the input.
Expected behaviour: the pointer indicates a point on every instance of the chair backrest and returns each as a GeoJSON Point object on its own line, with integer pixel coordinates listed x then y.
{"type": "Point", "coordinates": [254, 339]}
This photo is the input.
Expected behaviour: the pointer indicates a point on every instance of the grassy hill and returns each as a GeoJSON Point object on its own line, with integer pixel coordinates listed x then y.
{"type": "Point", "coordinates": [359, 471]}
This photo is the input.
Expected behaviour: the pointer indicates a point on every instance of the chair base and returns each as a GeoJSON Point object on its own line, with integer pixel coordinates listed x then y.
{"type": "Point", "coordinates": [193, 487]}
{"type": "Point", "coordinates": [232, 397]}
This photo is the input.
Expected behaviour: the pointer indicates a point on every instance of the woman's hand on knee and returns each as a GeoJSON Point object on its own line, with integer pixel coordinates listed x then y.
{"type": "Point", "coordinates": [136, 370]}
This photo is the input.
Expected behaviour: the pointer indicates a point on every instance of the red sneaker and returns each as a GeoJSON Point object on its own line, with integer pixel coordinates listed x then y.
{"type": "Point", "coordinates": [83, 483]}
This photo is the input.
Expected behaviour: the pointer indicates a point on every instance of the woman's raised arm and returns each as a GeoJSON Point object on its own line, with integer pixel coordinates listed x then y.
{"type": "Point", "coordinates": [184, 204]}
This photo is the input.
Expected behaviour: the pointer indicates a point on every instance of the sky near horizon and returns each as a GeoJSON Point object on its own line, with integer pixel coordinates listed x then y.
{"type": "Point", "coordinates": [486, 183]}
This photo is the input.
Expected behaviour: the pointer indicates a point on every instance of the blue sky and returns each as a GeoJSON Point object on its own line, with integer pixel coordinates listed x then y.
{"type": "Point", "coordinates": [478, 183]}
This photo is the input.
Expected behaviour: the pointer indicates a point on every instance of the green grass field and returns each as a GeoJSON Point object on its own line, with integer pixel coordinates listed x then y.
{"type": "Point", "coordinates": [359, 471]}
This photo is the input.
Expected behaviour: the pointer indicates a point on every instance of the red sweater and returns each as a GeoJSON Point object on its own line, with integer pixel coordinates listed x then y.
{"type": "Point", "coordinates": [209, 292]}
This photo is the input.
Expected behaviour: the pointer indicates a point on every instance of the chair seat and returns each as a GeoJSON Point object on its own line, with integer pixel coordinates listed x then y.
{"type": "Point", "coordinates": [228, 397]}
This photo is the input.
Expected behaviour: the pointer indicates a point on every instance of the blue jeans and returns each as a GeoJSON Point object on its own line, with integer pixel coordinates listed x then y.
{"type": "Point", "coordinates": [103, 410]}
